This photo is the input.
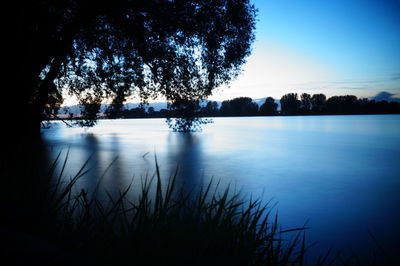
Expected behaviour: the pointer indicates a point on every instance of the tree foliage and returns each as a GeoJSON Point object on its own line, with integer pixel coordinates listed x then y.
{"type": "Point", "coordinates": [241, 106]}
{"type": "Point", "coordinates": [305, 105]}
{"type": "Point", "coordinates": [318, 104]}
{"type": "Point", "coordinates": [96, 50]}
{"type": "Point", "coordinates": [269, 107]}
{"type": "Point", "coordinates": [290, 104]}
{"type": "Point", "coordinates": [186, 116]}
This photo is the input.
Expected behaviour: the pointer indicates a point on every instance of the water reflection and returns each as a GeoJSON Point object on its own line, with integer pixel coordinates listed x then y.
{"type": "Point", "coordinates": [112, 176]}
{"type": "Point", "coordinates": [185, 158]}
{"type": "Point", "coordinates": [113, 162]}
{"type": "Point", "coordinates": [91, 151]}
{"type": "Point", "coordinates": [342, 173]}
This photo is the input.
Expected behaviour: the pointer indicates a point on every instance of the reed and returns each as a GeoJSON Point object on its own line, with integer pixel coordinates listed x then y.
{"type": "Point", "coordinates": [158, 226]}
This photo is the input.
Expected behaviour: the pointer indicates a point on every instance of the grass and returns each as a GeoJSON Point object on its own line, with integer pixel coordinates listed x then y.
{"type": "Point", "coordinates": [48, 223]}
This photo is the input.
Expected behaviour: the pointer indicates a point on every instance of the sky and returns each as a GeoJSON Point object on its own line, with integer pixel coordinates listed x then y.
{"type": "Point", "coordinates": [335, 47]}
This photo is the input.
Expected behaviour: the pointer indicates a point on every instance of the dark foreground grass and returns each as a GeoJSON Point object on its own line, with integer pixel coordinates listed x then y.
{"type": "Point", "coordinates": [46, 222]}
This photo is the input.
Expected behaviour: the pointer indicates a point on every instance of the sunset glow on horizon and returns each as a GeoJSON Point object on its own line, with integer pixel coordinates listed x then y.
{"type": "Point", "coordinates": [330, 47]}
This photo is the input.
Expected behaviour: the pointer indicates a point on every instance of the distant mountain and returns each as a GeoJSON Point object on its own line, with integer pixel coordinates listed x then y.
{"type": "Point", "coordinates": [385, 96]}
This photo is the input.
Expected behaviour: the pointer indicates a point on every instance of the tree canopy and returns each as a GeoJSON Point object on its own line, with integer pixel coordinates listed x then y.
{"type": "Point", "coordinates": [98, 50]}
{"type": "Point", "coordinates": [269, 107]}
{"type": "Point", "coordinates": [241, 106]}
{"type": "Point", "coordinates": [290, 104]}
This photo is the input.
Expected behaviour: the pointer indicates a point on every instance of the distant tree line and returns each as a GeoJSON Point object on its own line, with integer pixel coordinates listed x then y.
{"type": "Point", "coordinates": [318, 104]}
{"type": "Point", "coordinates": [291, 104]}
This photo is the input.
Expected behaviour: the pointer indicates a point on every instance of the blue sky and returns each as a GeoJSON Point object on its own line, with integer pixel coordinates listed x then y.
{"type": "Point", "coordinates": [333, 47]}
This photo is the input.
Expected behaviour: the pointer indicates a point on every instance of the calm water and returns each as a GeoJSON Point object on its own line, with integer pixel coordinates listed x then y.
{"type": "Point", "coordinates": [341, 173]}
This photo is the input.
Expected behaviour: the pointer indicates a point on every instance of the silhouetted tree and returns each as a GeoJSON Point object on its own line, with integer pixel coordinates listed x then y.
{"type": "Point", "coordinates": [318, 103]}
{"type": "Point", "coordinates": [151, 111]}
{"type": "Point", "coordinates": [185, 116]}
{"type": "Point", "coordinates": [364, 106]}
{"type": "Point", "coordinates": [305, 105]}
{"type": "Point", "coordinates": [269, 107]}
{"type": "Point", "coordinates": [290, 105]}
{"type": "Point", "coordinates": [335, 105]}
{"type": "Point", "coordinates": [115, 108]}
{"type": "Point", "coordinates": [393, 108]}
{"type": "Point", "coordinates": [241, 106]}
{"type": "Point", "coordinates": [54, 102]}
{"type": "Point", "coordinates": [347, 104]}
{"type": "Point", "coordinates": [164, 113]}
{"type": "Point", "coordinates": [137, 112]}
{"type": "Point", "coordinates": [90, 107]}
{"type": "Point", "coordinates": [211, 109]}
{"type": "Point", "coordinates": [99, 50]}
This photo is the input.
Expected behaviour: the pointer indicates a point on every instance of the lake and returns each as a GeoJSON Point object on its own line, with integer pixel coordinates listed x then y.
{"type": "Point", "coordinates": [339, 173]}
